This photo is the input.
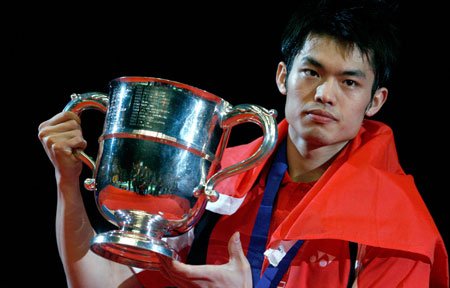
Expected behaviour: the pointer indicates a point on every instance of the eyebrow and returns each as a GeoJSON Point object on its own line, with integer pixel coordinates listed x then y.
{"type": "Point", "coordinates": [314, 62]}
{"type": "Point", "coordinates": [356, 73]}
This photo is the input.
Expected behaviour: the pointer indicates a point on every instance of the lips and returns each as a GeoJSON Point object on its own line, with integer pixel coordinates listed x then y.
{"type": "Point", "coordinates": [320, 116]}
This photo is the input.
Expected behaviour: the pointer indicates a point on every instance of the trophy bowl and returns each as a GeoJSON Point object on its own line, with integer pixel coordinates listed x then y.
{"type": "Point", "coordinates": [159, 160]}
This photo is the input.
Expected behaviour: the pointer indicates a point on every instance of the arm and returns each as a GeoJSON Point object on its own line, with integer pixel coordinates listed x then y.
{"type": "Point", "coordinates": [60, 136]}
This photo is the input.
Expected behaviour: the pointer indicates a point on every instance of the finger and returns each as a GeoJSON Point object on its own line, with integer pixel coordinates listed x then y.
{"type": "Point", "coordinates": [164, 270]}
{"type": "Point", "coordinates": [177, 280]}
{"type": "Point", "coordinates": [185, 271]}
{"type": "Point", "coordinates": [64, 141]}
{"type": "Point", "coordinates": [235, 251]}
{"type": "Point", "coordinates": [69, 125]}
{"type": "Point", "coordinates": [69, 145]}
{"type": "Point", "coordinates": [60, 118]}
{"type": "Point", "coordinates": [188, 271]}
{"type": "Point", "coordinates": [51, 134]}
{"type": "Point", "coordinates": [238, 260]}
{"type": "Point", "coordinates": [167, 271]}
{"type": "Point", "coordinates": [167, 265]}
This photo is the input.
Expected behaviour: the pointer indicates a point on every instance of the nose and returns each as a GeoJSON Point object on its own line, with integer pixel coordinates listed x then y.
{"type": "Point", "coordinates": [325, 93]}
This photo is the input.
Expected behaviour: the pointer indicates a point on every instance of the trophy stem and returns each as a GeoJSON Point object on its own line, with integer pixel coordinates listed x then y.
{"type": "Point", "coordinates": [138, 243]}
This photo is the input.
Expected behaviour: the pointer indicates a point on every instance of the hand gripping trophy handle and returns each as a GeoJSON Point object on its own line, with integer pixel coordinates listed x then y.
{"type": "Point", "coordinates": [79, 103]}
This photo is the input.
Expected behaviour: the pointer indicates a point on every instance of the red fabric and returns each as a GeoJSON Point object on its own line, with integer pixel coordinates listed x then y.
{"type": "Point", "coordinates": [289, 194]}
{"type": "Point", "coordinates": [319, 263]}
{"type": "Point", "coordinates": [394, 268]}
{"type": "Point", "coordinates": [363, 197]}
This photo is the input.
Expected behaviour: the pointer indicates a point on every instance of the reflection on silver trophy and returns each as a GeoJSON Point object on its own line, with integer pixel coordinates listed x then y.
{"type": "Point", "coordinates": [158, 161]}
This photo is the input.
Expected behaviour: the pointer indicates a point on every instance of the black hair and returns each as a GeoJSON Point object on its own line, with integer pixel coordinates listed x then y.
{"type": "Point", "coordinates": [370, 25]}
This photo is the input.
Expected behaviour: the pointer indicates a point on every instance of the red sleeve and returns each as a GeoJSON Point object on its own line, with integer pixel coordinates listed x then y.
{"type": "Point", "coordinates": [378, 267]}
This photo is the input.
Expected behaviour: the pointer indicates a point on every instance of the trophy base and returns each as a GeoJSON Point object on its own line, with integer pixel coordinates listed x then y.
{"type": "Point", "coordinates": [132, 249]}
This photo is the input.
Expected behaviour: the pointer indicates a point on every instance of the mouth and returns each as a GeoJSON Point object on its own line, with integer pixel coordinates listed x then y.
{"type": "Point", "coordinates": [320, 116]}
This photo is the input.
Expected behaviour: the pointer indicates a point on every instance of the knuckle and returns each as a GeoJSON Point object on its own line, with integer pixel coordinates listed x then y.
{"type": "Point", "coordinates": [78, 133]}
{"type": "Point", "coordinates": [50, 140]}
{"type": "Point", "coordinates": [73, 125]}
{"type": "Point", "coordinates": [78, 138]}
{"type": "Point", "coordinates": [43, 131]}
{"type": "Point", "coordinates": [42, 134]}
{"type": "Point", "coordinates": [67, 115]}
{"type": "Point", "coordinates": [42, 125]}
{"type": "Point", "coordinates": [80, 141]}
{"type": "Point", "coordinates": [72, 116]}
{"type": "Point", "coordinates": [57, 147]}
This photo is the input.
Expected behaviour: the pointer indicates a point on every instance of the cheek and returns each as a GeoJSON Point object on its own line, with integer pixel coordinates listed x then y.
{"type": "Point", "coordinates": [296, 97]}
{"type": "Point", "coordinates": [292, 108]}
{"type": "Point", "coordinates": [352, 122]}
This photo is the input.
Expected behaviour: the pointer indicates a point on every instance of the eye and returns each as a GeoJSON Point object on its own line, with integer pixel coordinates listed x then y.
{"type": "Point", "coordinates": [350, 83]}
{"type": "Point", "coordinates": [310, 73]}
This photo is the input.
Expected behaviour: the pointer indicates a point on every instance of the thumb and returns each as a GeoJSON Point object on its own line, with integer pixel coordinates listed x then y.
{"type": "Point", "coordinates": [235, 250]}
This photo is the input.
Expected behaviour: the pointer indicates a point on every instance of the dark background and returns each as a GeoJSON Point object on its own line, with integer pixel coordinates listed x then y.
{"type": "Point", "coordinates": [229, 50]}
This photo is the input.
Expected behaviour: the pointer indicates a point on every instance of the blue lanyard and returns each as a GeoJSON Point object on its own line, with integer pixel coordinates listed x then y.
{"type": "Point", "coordinates": [272, 275]}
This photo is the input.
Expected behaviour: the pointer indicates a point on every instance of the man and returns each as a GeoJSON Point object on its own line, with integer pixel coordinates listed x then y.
{"type": "Point", "coordinates": [332, 189]}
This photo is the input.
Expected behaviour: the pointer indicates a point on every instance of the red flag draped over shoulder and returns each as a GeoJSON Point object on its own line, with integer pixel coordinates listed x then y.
{"type": "Point", "coordinates": [363, 197]}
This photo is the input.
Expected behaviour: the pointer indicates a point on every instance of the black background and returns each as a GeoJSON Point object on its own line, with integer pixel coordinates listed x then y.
{"type": "Point", "coordinates": [229, 50]}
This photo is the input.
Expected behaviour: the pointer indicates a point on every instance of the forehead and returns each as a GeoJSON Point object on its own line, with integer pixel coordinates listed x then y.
{"type": "Point", "coordinates": [334, 53]}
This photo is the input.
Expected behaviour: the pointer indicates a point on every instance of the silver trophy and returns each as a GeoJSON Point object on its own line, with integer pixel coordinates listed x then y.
{"type": "Point", "coordinates": [159, 161]}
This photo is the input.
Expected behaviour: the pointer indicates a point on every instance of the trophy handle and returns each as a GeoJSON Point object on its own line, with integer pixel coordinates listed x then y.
{"type": "Point", "coordinates": [239, 114]}
{"type": "Point", "coordinates": [79, 103]}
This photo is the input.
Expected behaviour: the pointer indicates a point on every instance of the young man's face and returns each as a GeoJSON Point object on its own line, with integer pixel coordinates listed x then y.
{"type": "Point", "coordinates": [328, 92]}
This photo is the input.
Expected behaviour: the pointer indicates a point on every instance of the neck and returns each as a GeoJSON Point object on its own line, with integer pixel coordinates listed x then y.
{"type": "Point", "coordinates": [308, 162]}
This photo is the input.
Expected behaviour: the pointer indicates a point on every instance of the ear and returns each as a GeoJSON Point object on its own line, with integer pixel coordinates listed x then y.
{"type": "Point", "coordinates": [281, 78]}
{"type": "Point", "coordinates": [377, 102]}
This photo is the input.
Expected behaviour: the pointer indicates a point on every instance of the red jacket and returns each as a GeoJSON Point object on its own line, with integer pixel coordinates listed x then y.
{"type": "Point", "coordinates": [363, 197]}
